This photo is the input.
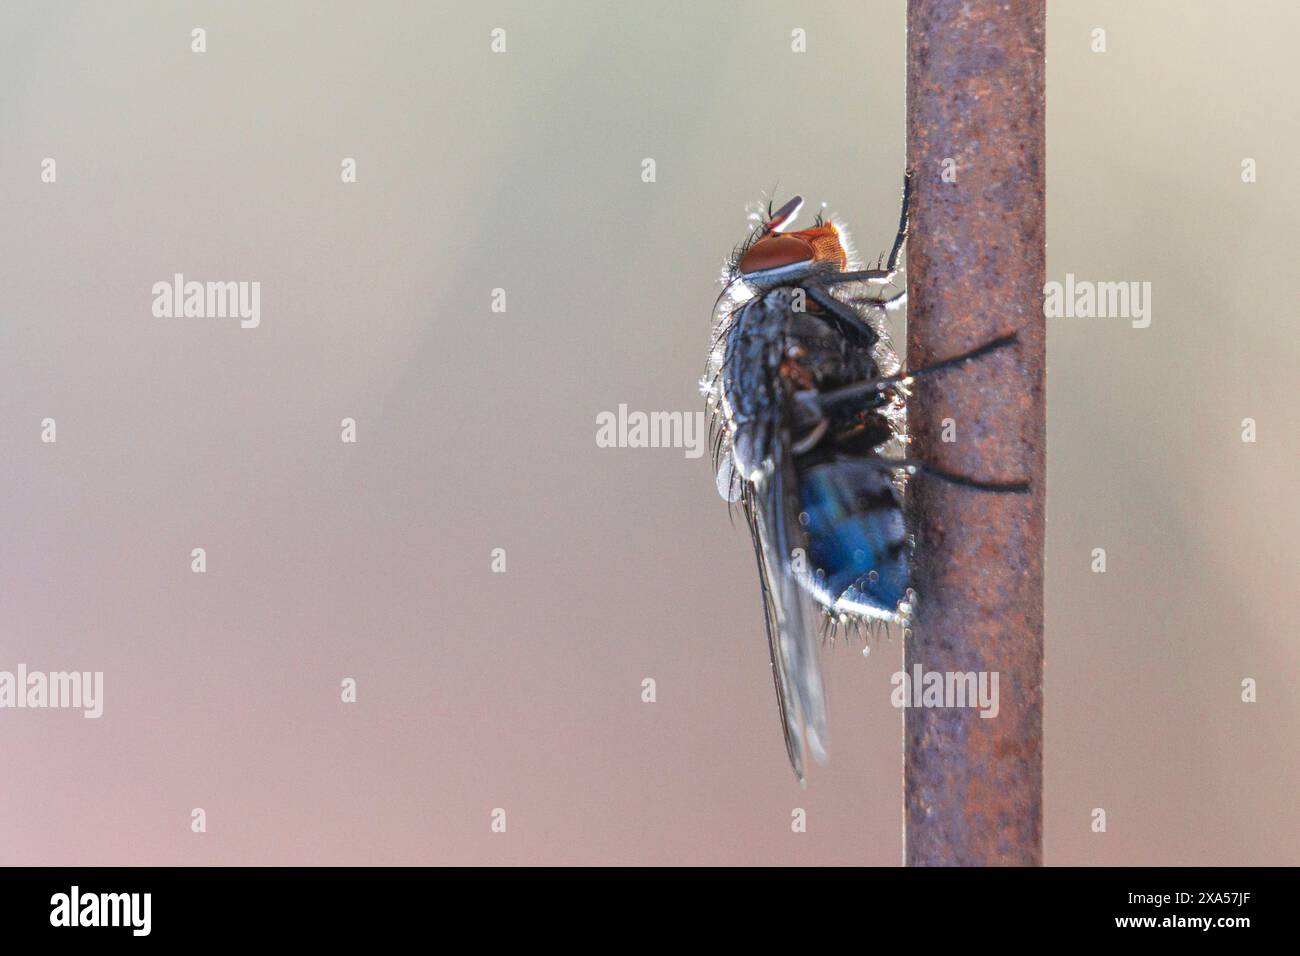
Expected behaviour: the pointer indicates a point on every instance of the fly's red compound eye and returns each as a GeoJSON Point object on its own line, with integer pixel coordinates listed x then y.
{"type": "Point", "coordinates": [818, 245]}
{"type": "Point", "coordinates": [775, 252]}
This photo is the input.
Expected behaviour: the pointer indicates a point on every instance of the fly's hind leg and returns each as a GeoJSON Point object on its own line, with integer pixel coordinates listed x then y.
{"type": "Point", "coordinates": [914, 466]}
{"type": "Point", "coordinates": [974, 484]}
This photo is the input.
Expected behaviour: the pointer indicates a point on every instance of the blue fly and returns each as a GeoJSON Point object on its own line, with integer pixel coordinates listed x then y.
{"type": "Point", "coordinates": [809, 413]}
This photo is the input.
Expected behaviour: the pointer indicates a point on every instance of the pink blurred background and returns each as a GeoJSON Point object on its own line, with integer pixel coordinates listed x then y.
{"type": "Point", "coordinates": [476, 430]}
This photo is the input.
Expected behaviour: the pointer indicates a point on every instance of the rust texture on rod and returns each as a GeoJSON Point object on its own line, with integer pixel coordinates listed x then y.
{"type": "Point", "coordinates": [975, 263]}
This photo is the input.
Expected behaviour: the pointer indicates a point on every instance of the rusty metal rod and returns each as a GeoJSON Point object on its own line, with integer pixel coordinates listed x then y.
{"type": "Point", "coordinates": [975, 263]}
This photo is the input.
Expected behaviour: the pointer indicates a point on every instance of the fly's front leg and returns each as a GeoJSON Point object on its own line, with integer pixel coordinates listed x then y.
{"type": "Point", "coordinates": [887, 303]}
{"type": "Point", "coordinates": [890, 272]}
{"type": "Point", "coordinates": [892, 264]}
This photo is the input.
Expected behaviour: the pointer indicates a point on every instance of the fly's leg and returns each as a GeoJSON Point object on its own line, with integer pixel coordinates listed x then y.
{"type": "Point", "coordinates": [891, 265]}
{"type": "Point", "coordinates": [890, 272]}
{"type": "Point", "coordinates": [813, 406]}
{"type": "Point", "coordinates": [850, 396]}
{"type": "Point", "coordinates": [912, 466]}
{"type": "Point", "coordinates": [849, 319]}
{"type": "Point", "coordinates": [898, 298]}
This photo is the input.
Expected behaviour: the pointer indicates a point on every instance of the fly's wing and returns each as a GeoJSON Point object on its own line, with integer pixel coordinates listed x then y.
{"type": "Point", "coordinates": [762, 457]}
{"type": "Point", "coordinates": [791, 631]}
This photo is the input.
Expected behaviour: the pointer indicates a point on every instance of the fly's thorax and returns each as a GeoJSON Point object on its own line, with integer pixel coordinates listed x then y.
{"type": "Point", "coordinates": [817, 355]}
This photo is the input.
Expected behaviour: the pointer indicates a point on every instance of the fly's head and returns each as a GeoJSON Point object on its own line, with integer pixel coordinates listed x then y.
{"type": "Point", "coordinates": [772, 256]}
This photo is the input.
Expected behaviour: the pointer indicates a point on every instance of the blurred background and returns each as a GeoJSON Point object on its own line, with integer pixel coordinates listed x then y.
{"type": "Point", "coordinates": [476, 430]}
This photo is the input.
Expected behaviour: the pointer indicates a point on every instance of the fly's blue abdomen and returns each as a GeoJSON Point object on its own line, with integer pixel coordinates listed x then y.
{"type": "Point", "coordinates": [857, 542]}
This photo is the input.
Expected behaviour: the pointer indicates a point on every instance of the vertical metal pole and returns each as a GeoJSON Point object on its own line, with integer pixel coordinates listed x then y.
{"type": "Point", "coordinates": [975, 263]}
